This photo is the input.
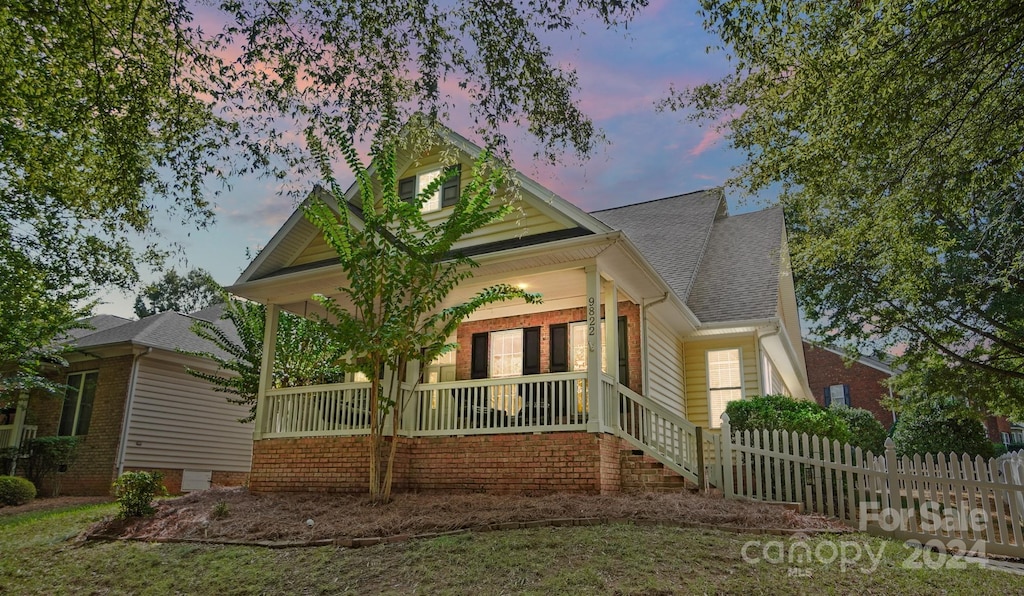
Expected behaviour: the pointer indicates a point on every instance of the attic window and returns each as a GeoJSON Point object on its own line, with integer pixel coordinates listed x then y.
{"type": "Point", "coordinates": [446, 196]}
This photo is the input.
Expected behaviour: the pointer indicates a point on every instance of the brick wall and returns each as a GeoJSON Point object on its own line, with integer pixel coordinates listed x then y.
{"type": "Point", "coordinates": [172, 478]}
{"type": "Point", "coordinates": [543, 319]}
{"type": "Point", "coordinates": [95, 469]}
{"type": "Point", "coordinates": [825, 368]}
{"type": "Point", "coordinates": [507, 463]}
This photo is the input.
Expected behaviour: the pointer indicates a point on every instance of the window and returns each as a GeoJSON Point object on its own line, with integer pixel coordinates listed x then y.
{"type": "Point", "coordinates": [447, 195]}
{"type": "Point", "coordinates": [773, 383]}
{"type": "Point", "coordinates": [578, 346]}
{"type": "Point", "coordinates": [837, 394]}
{"type": "Point", "coordinates": [506, 353]}
{"type": "Point", "coordinates": [725, 382]}
{"type": "Point", "coordinates": [78, 400]}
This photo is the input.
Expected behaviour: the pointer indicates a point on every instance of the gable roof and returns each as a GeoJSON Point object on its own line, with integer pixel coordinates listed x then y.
{"type": "Point", "coordinates": [169, 331]}
{"type": "Point", "coordinates": [297, 231]}
{"type": "Point", "coordinates": [738, 277]}
{"type": "Point", "coordinates": [672, 233]}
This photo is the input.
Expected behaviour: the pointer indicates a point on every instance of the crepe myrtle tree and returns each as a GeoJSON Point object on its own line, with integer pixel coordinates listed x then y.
{"type": "Point", "coordinates": [399, 271]}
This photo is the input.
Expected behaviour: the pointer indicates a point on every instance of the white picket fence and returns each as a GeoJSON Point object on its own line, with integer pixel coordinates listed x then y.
{"type": "Point", "coordinates": [967, 505]}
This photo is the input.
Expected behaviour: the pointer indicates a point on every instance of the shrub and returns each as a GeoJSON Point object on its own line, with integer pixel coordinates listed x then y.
{"type": "Point", "coordinates": [48, 456]}
{"type": "Point", "coordinates": [866, 431]}
{"type": "Point", "coordinates": [785, 413]}
{"type": "Point", "coordinates": [135, 492]}
{"type": "Point", "coordinates": [940, 426]}
{"type": "Point", "coordinates": [15, 490]}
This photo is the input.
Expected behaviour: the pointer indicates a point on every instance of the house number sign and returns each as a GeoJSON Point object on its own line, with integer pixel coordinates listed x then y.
{"type": "Point", "coordinates": [591, 322]}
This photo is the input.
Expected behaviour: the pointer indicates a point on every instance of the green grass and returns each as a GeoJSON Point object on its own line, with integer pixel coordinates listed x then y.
{"type": "Point", "coordinates": [38, 558]}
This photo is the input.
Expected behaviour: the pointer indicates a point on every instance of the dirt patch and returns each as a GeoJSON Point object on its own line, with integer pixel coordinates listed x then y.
{"type": "Point", "coordinates": [238, 515]}
{"type": "Point", "coordinates": [43, 504]}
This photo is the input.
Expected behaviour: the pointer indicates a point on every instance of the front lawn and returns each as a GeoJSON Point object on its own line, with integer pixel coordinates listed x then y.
{"type": "Point", "coordinates": [41, 556]}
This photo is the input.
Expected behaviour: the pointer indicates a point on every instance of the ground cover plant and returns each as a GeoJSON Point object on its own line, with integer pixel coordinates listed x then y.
{"type": "Point", "coordinates": [42, 556]}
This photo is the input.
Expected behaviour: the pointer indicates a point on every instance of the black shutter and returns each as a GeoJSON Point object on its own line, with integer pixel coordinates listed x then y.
{"type": "Point", "coordinates": [828, 396]}
{"type": "Point", "coordinates": [623, 339]}
{"type": "Point", "coordinates": [451, 186]}
{"type": "Point", "coordinates": [846, 395]}
{"type": "Point", "coordinates": [531, 351]}
{"type": "Point", "coordinates": [559, 347]}
{"type": "Point", "coordinates": [478, 368]}
{"type": "Point", "coordinates": [407, 189]}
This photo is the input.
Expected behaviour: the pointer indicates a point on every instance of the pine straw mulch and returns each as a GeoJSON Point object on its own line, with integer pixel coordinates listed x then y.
{"type": "Point", "coordinates": [236, 515]}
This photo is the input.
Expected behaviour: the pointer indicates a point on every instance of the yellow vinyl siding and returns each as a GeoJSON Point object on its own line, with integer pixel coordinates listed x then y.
{"type": "Point", "coordinates": [695, 356]}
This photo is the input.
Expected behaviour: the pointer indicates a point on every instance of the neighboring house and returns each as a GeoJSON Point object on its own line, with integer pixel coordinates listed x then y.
{"type": "Point", "coordinates": [135, 407]}
{"type": "Point", "coordinates": [858, 384]}
{"type": "Point", "coordinates": [546, 396]}
{"type": "Point", "coordinates": [862, 384]}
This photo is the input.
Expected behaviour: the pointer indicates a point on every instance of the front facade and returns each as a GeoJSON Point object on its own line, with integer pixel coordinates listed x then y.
{"type": "Point", "coordinates": [654, 316]}
{"type": "Point", "coordinates": [134, 407]}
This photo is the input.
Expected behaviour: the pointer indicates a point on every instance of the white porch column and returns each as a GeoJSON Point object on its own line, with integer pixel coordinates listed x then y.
{"type": "Point", "coordinates": [594, 355]}
{"type": "Point", "coordinates": [266, 369]}
{"type": "Point", "coordinates": [611, 329]}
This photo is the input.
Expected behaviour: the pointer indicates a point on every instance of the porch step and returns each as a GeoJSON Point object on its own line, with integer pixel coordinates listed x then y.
{"type": "Point", "coordinates": [643, 473]}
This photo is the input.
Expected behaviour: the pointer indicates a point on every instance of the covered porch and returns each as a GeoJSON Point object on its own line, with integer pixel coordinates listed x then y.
{"type": "Point", "coordinates": [520, 369]}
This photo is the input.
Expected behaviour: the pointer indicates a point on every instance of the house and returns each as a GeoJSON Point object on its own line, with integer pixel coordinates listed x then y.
{"type": "Point", "coordinates": [135, 408]}
{"type": "Point", "coordinates": [858, 384]}
{"type": "Point", "coordinates": [861, 383]}
{"type": "Point", "coordinates": [547, 396]}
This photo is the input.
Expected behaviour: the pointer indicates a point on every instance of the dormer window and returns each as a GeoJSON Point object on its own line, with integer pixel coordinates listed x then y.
{"type": "Point", "coordinates": [446, 196]}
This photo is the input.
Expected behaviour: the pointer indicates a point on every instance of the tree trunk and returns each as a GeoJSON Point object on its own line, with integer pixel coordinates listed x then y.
{"type": "Point", "coordinates": [374, 436]}
{"type": "Point", "coordinates": [396, 416]}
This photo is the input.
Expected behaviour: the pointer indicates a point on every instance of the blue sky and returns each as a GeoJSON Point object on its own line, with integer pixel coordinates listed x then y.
{"type": "Point", "coordinates": [622, 73]}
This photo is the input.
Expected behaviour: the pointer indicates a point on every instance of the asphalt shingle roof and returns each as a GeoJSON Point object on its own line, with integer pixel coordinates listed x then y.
{"type": "Point", "coordinates": [167, 330]}
{"type": "Point", "coordinates": [725, 268]}
{"type": "Point", "coordinates": [738, 277]}
{"type": "Point", "coordinates": [671, 233]}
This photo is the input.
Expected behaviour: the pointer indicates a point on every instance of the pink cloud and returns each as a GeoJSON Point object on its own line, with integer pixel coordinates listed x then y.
{"type": "Point", "coordinates": [707, 141]}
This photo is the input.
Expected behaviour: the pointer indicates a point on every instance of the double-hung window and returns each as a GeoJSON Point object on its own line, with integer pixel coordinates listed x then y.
{"type": "Point", "coordinates": [448, 194]}
{"type": "Point", "coordinates": [725, 382]}
{"type": "Point", "coordinates": [78, 401]}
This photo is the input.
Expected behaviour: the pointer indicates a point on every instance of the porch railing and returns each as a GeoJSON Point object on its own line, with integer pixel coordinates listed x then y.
{"type": "Point", "coordinates": [550, 402]}
{"type": "Point", "coordinates": [339, 409]}
{"type": "Point", "coordinates": [7, 435]}
{"type": "Point", "coordinates": [663, 434]}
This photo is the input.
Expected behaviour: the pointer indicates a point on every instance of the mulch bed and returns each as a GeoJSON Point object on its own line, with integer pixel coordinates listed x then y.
{"type": "Point", "coordinates": [237, 516]}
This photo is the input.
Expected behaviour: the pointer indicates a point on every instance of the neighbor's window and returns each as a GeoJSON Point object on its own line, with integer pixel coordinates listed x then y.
{"type": "Point", "coordinates": [725, 382]}
{"type": "Point", "coordinates": [78, 400]}
{"type": "Point", "coordinates": [837, 395]}
{"type": "Point", "coordinates": [506, 350]}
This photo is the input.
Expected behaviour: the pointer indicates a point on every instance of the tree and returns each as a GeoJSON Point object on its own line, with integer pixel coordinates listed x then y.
{"type": "Point", "coordinates": [894, 132]}
{"type": "Point", "coordinates": [365, 67]}
{"type": "Point", "coordinates": [98, 125]}
{"type": "Point", "coordinates": [940, 426]}
{"type": "Point", "coordinates": [181, 293]}
{"type": "Point", "coordinates": [398, 270]}
{"type": "Point", "coordinates": [304, 353]}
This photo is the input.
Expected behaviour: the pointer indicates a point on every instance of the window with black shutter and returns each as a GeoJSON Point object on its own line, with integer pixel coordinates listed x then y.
{"type": "Point", "coordinates": [559, 354]}
{"type": "Point", "coordinates": [478, 365]}
{"type": "Point", "coordinates": [450, 189]}
{"type": "Point", "coordinates": [623, 339]}
{"type": "Point", "coordinates": [531, 351]}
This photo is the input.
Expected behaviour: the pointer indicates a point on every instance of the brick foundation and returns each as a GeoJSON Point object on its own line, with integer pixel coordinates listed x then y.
{"type": "Point", "coordinates": [172, 478]}
{"type": "Point", "coordinates": [505, 463]}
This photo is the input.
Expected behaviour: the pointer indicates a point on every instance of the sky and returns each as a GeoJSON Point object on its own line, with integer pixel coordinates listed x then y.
{"type": "Point", "coordinates": [622, 74]}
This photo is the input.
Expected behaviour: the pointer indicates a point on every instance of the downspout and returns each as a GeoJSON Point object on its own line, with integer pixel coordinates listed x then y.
{"type": "Point", "coordinates": [644, 305]}
{"type": "Point", "coordinates": [128, 410]}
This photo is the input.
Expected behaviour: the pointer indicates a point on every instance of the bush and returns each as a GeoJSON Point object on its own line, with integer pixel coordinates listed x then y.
{"type": "Point", "coordinates": [15, 490]}
{"type": "Point", "coordinates": [135, 492]}
{"type": "Point", "coordinates": [48, 456]}
{"type": "Point", "coordinates": [940, 426]}
{"type": "Point", "coordinates": [785, 413]}
{"type": "Point", "coordinates": [865, 430]}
